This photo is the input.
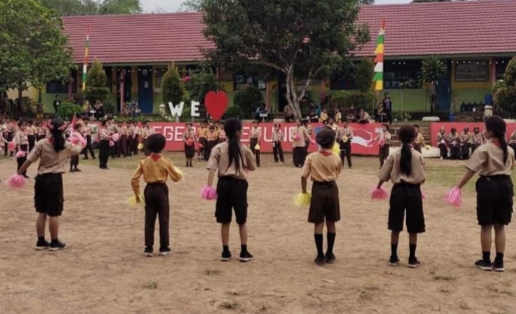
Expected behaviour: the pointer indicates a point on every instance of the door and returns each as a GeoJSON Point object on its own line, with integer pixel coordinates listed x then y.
{"type": "Point", "coordinates": [443, 90]}
{"type": "Point", "coordinates": [124, 84]}
{"type": "Point", "coordinates": [145, 90]}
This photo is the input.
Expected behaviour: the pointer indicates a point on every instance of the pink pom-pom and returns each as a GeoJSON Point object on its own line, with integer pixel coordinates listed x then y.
{"type": "Point", "coordinates": [12, 146]}
{"type": "Point", "coordinates": [20, 154]}
{"type": "Point", "coordinates": [297, 137]}
{"type": "Point", "coordinates": [454, 197]}
{"type": "Point", "coordinates": [115, 137]}
{"type": "Point", "coordinates": [379, 193]}
{"type": "Point", "coordinates": [423, 196]}
{"type": "Point", "coordinates": [382, 143]}
{"type": "Point", "coordinates": [74, 140]}
{"type": "Point", "coordinates": [111, 143]}
{"type": "Point", "coordinates": [16, 181]}
{"type": "Point", "coordinates": [208, 193]}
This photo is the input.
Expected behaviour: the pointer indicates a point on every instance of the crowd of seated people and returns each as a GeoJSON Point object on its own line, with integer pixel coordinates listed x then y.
{"type": "Point", "coordinates": [457, 145]}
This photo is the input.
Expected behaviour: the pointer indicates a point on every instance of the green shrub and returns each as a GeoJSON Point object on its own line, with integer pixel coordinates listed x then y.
{"type": "Point", "coordinates": [505, 91]}
{"type": "Point", "coordinates": [29, 107]}
{"type": "Point", "coordinates": [109, 108]}
{"type": "Point", "coordinates": [364, 75]}
{"type": "Point", "coordinates": [172, 87]}
{"type": "Point", "coordinates": [68, 109]}
{"type": "Point", "coordinates": [248, 99]}
{"type": "Point", "coordinates": [200, 83]}
{"type": "Point", "coordinates": [96, 84]}
{"type": "Point", "coordinates": [233, 112]}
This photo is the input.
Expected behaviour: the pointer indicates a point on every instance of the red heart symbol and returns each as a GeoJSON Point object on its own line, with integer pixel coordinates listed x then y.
{"type": "Point", "coordinates": [216, 104]}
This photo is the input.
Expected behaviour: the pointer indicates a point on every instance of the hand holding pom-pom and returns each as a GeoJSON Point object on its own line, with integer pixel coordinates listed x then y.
{"type": "Point", "coordinates": [379, 193]}
{"type": "Point", "coordinates": [140, 146]}
{"type": "Point", "coordinates": [302, 199]}
{"type": "Point", "coordinates": [208, 193]}
{"type": "Point", "coordinates": [16, 181]}
{"type": "Point", "coordinates": [115, 137]}
{"type": "Point", "coordinates": [12, 146]}
{"type": "Point", "coordinates": [454, 197]}
{"type": "Point", "coordinates": [136, 200]}
{"type": "Point", "coordinates": [20, 154]}
{"type": "Point", "coordinates": [111, 143]}
{"type": "Point", "coordinates": [297, 137]}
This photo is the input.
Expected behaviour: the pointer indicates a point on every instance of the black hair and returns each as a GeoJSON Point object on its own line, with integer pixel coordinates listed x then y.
{"type": "Point", "coordinates": [325, 137]}
{"type": "Point", "coordinates": [77, 126]}
{"type": "Point", "coordinates": [416, 126]}
{"type": "Point", "coordinates": [20, 123]}
{"type": "Point", "coordinates": [454, 130]}
{"type": "Point", "coordinates": [476, 129]}
{"type": "Point", "coordinates": [386, 126]}
{"type": "Point", "coordinates": [57, 129]}
{"type": "Point", "coordinates": [406, 134]}
{"type": "Point", "coordinates": [232, 127]}
{"type": "Point", "coordinates": [156, 143]}
{"type": "Point", "coordinates": [498, 127]}
{"type": "Point", "coordinates": [104, 122]}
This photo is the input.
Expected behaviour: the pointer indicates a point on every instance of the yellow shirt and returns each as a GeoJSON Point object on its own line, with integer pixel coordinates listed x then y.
{"type": "Point", "coordinates": [324, 116]}
{"type": "Point", "coordinates": [322, 166]}
{"type": "Point", "coordinates": [154, 171]}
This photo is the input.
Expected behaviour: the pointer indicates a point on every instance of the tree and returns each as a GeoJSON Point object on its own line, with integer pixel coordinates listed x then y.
{"type": "Point", "coordinates": [505, 91]}
{"type": "Point", "coordinates": [190, 6]}
{"type": "Point", "coordinates": [248, 100]}
{"type": "Point", "coordinates": [33, 49]}
{"type": "Point", "coordinates": [93, 7]}
{"type": "Point", "coordinates": [303, 39]}
{"type": "Point", "coordinates": [434, 69]}
{"type": "Point", "coordinates": [96, 83]}
{"type": "Point", "coordinates": [200, 83]}
{"type": "Point", "coordinates": [120, 7]}
{"type": "Point", "coordinates": [172, 87]}
{"type": "Point", "coordinates": [422, 1]}
{"type": "Point", "coordinates": [364, 75]}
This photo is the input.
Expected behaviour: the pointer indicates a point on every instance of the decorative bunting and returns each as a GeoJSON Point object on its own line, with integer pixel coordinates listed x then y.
{"type": "Point", "coordinates": [379, 52]}
{"type": "Point", "coordinates": [86, 54]}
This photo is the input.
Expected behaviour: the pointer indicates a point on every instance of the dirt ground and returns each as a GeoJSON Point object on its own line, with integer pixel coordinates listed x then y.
{"type": "Point", "coordinates": [104, 271]}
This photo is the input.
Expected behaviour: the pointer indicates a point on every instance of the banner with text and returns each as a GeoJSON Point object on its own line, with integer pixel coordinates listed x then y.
{"type": "Point", "coordinates": [362, 143]}
{"type": "Point", "coordinates": [436, 126]}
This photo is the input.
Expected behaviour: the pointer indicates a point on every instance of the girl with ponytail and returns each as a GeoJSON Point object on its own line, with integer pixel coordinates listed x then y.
{"type": "Point", "coordinates": [493, 162]}
{"type": "Point", "coordinates": [52, 153]}
{"type": "Point", "coordinates": [405, 168]}
{"type": "Point", "coordinates": [231, 160]}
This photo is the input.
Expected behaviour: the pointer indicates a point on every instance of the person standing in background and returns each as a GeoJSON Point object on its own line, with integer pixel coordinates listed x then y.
{"type": "Point", "coordinates": [87, 134]}
{"type": "Point", "coordinates": [277, 139]}
{"type": "Point", "coordinates": [57, 103]}
{"type": "Point", "coordinates": [31, 133]}
{"type": "Point", "coordinates": [387, 107]}
{"type": "Point", "coordinates": [254, 144]}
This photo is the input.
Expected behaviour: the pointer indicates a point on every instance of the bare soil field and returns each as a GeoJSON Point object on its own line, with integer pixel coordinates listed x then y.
{"type": "Point", "coordinates": [103, 270]}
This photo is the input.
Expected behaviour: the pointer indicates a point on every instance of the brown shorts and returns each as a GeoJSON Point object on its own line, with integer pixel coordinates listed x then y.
{"type": "Point", "coordinates": [325, 203]}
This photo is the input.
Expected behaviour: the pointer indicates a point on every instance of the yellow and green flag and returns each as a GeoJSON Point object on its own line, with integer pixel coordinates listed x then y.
{"type": "Point", "coordinates": [86, 53]}
{"type": "Point", "coordinates": [378, 68]}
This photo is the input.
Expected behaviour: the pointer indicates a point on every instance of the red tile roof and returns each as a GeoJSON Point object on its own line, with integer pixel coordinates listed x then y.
{"type": "Point", "coordinates": [446, 28]}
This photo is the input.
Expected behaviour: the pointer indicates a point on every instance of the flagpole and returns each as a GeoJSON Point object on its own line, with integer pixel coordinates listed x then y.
{"type": "Point", "coordinates": [379, 60]}
{"type": "Point", "coordinates": [85, 65]}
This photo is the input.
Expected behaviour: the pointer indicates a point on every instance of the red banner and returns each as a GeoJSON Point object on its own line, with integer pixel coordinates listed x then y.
{"type": "Point", "coordinates": [362, 143]}
{"type": "Point", "coordinates": [436, 126]}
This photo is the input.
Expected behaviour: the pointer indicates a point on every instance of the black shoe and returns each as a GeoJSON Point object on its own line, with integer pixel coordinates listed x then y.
{"type": "Point", "coordinates": [394, 261]}
{"type": "Point", "coordinates": [413, 263]}
{"type": "Point", "coordinates": [330, 258]}
{"type": "Point", "coordinates": [42, 245]}
{"type": "Point", "coordinates": [164, 251]}
{"type": "Point", "coordinates": [26, 177]}
{"type": "Point", "coordinates": [57, 246]}
{"type": "Point", "coordinates": [320, 260]}
{"type": "Point", "coordinates": [86, 158]}
{"type": "Point", "coordinates": [77, 170]}
{"type": "Point", "coordinates": [485, 266]}
{"type": "Point", "coordinates": [148, 251]}
{"type": "Point", "coordinates": [226, 256]}
{"type": "Point", "coordinates": [245, 257]}
{"type": "Point", "coordinates": [498, 267]}
{"type": "Point", "coordinates": [72, 171]}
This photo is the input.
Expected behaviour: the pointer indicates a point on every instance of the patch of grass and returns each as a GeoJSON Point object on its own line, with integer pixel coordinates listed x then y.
{"type": "Point", "coordinates": [151, 285]}
{"type": "Point", "coordinates": [229, 305]}
{"type": "Point", "coordinates": [494, 289]}
{"type": "Point", "coordinates": [444, 278]}
{"type": "Point", "coordinates": [464, 306]}
{"type": "Point", "coordinates": [212, 272]}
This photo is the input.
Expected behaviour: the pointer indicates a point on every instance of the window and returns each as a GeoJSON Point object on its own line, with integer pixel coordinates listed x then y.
{"type": "Point", "coordinates": [472, 71]}
{"type": "Point", "coordinates": [61, 87]}
{"type": "Point", "coordinates": [242, 80]}
{"type": "Point", "coordinates": [402, 74]}
{"type": "Point", "coordinates": [160, 72]}
{"type": "Point", "coordinates": [501, 66]}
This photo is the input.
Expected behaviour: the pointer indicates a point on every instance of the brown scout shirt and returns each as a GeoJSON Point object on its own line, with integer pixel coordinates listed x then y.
{"type": "Point", "coordinates": [322, 166]}
{"type": "Point", "coordinates": [304, 137]}
{"type": "Point", "coordinates": [487, 160]}
{"type": "Point", "coordinates": [155, 169]}
{"type": "Point", "coordinates": [391, 169]}
{"type": "Point", "coordinates": [219, 159]}
{"type": "Point", "coordinates": [345, 134]}
{"type": "Point", "coordinates": [49, 160]}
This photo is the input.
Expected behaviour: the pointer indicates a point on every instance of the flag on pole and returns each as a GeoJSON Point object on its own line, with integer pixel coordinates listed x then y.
{"type": "Point", "coordinates": [86, 53]}
{"type": "Point", "coordinates": [378, 68]}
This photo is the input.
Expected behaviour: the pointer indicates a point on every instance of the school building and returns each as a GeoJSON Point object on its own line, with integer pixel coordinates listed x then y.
{"type": "Point", "coordinates": [476, 39]}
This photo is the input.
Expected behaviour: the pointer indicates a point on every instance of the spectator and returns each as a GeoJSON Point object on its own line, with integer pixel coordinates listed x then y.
{"type": "Point", "coordinates": [312, 116]}
{"type": "Point", "coordinates": [465, 143]}
{"type": "Point", "coordinates": [453, 143]}
{"type": "Point", "coordinates": [442, 143]}
{"type": "Point", "coordinates": [289, 113]}
{"type": "Point", "coordinates": [324, 116]}
{"type": "Point", "coordinates": [99, 110]}
{"type": "Point", "coordinates": [352, 115]}
{"type": "Point", "coordinates": [364, 117]}
{"type": "Point", "coordinates": [261, 113]}
{"type": "Point", "coordinates": [387, 108]}
{"type": "Point", "coordinates": [338, 116]}
{"type": "Point", "coordinates": [478, 139]}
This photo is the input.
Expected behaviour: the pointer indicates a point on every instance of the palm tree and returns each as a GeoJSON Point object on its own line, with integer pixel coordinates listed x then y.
{"type": "Point", "coordinates": [434, 69]}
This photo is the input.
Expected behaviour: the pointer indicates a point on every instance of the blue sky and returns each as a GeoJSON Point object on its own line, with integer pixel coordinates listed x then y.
{"type": "Point", "coordinates": [173, 5]}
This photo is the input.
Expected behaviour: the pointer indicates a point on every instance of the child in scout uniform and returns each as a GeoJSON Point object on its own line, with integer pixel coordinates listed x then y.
{"type": "Point", "coordinates": [52, 153]}
{"type": "Point", "coordinates": [86, 130]}
{"type": "Point", "coordinates": [145, 133]}
{"type": "Point", "coordinates": [323, 168]}
{"type": "Point", "coordinates": [453, 142]}
{"type": "Point", "coordinates": [230, 160]}
{"type": "Point", "coordinates": [277, 139]}
{"type": "Point", "coordinates": [478, 139]}
{"type": "Point", "coordinates": [189, 140]}
{"type": "Point", "coordinates": [155, 170]}
{"type": "Point", "coordinates": [130, 138]}
{"type": "Point", "coordinates": [123, 140]}
{"type": "Point", "coordinates": [494, 162]}
{"type": "Point", "coordinates": [202, 132]}
{"type": "Point", "coordinates": [300, 136]}
{"type": "Point", "coordinates": [333, 125]}
{"type": "Point", "coordinates": [254, 141]}
{"type": "Point", "coordinates": [405, 168]}
{"type": "Point", "coordinates": [442, 143]}
{"type": "Point", "coordinates": [384, 139]}
{"type": "Point", "coordinates": [42, 131]}
{"type": "Point", "coordinates": [212, 139]}
{"type": "Point", "coordinates": [465, 143]}
{"type": "Point", "coordinates": [137, 131]}
{"type": "Point", "coordinates": [74, 160]}
{"type": "Point", "coordinates": [344, 138]}
{"type": "Point", "coordinates": [31, 134]}
{"type": "Point", "coordinates": [22, 145]}
{"type": "Point", "coordinates": [104, 139]}
{"type": "Point", "coordinates": [324, 116]}
{"type": "Point", "coordinates": [8, 135]}
{"type": "Point", "coordinates": [420, 140]}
